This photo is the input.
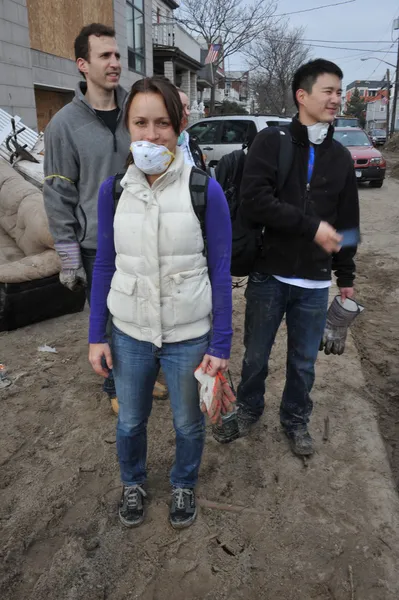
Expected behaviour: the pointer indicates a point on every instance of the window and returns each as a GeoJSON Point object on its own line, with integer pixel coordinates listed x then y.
{"type": "Point", "coordinates": [235, 132]}
{"type": "Point", "coordinates": [352, 138]}
{"type": "Point", "coordinates": [135, 35]}
{"type": "Point", "coordinates": [205, 133]}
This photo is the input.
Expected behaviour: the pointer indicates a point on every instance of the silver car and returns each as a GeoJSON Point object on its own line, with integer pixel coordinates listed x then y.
{"type": "Point", "coordinates": [221, 135]}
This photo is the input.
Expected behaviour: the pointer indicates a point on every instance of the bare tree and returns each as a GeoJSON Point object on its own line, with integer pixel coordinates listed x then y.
{"type": "Point", "coordinates": [232, 23]}
{"type": "Point", "coordinates": [274, 57]}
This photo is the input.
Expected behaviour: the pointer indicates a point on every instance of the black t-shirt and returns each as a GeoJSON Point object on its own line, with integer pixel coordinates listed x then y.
{"type": "Point", "coordinates": [109, 117]}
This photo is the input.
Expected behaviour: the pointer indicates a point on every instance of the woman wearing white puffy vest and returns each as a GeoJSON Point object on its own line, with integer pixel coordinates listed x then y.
{"type": "Point", "coordinates": [170, 301]}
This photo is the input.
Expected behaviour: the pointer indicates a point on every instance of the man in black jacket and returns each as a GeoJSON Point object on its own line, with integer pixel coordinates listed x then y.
{"type": "Point", "coordinates": [300, 248]}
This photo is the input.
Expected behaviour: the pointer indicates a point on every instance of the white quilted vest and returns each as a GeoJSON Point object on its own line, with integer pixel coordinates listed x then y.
{"type": "Point", "coordinates": [160, 291]}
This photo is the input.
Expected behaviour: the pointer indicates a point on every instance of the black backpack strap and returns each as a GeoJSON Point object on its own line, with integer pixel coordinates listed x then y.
{"type": "Point", "coordinates": [117, 189]}
{"type": "Point", "coordinates": [199, 195]}
{"type": "Point", "coordinates": [285, 158]}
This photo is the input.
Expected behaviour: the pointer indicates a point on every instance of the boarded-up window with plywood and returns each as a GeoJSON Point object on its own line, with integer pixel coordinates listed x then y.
{"type": "Point", "coordinates": [49, 102]}
{"type": "Point", "coordinates": [54, 24]}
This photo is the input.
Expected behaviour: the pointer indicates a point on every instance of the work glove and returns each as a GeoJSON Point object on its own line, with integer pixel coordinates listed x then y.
{"type": "Point", "coordinates": [72, 274]}
{"type": "Point", "coordinates": [340, 315]}
{"type": "Point", "coordinates": [216, 396]}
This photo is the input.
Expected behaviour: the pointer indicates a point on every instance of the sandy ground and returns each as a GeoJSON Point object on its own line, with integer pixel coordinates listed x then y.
{"type": "Point", "coordinates": [269, 527]}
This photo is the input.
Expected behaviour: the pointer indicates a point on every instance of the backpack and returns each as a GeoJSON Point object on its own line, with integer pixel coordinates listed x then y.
{"type": "Point", "coordinates": [198, 184]}
{"type": "Point", "coordinates": [247, 238]}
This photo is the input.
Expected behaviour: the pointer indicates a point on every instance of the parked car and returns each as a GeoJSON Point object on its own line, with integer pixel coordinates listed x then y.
{"type": "Point", "coordinates": [343, 121]}
{"type": "Point", "coordinates": [369, 163]}
{"type": "Point", "coordinates": [220, 135]}
{"type": "Point", "coordinates": [378, 136]}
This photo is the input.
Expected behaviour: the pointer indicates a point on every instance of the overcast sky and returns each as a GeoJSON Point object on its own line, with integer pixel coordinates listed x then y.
{"type": "Point", "coordinates": [360, 20]}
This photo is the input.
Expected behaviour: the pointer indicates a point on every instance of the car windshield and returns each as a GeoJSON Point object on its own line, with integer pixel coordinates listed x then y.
{"type": "Point", "coordinates": [352, 138]}
{"type": "Point", "coordinates": [343, 122]}
{"type": "Point", "coordinates": [378, 132]}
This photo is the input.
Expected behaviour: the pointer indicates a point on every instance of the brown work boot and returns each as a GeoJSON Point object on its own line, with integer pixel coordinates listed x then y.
{"type": "Point", "coordinates": [114, 405]}
{"type": "Point", "coordinates": [160, 391]}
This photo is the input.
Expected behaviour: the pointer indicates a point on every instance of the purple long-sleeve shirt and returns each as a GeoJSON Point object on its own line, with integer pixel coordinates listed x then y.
{"type": "Point", "coordinates": [218, 234]}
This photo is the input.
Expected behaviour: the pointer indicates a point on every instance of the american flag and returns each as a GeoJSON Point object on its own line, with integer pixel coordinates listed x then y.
{"type": "Point", "coordinates": [213, 52]}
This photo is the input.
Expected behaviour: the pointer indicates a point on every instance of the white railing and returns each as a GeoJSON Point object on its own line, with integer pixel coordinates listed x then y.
{"type": "Point", "coordinates": [173, 35]}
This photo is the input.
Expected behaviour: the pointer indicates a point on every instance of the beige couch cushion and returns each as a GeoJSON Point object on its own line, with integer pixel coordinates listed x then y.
{"type": "Point", "coordinates": [26, 245]}
{"type": "Point", "coordinates": [29, 268]}
{"type": "Point", "coordinates": [22, 213]}
{"type": "Point", "coordinates": [9, 250]}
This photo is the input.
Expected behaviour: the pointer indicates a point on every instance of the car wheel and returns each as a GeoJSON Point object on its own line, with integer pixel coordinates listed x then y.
{"type": "Point", "coordinates": [376, 184]}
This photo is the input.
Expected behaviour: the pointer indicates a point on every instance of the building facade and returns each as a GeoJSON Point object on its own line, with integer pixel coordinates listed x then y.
{"type": "Point", "coordinates": [177, 55]}
{"type": "Point", "coordinates": [38, 73]}
{"type": "Point", "coordinates": [368, 90]}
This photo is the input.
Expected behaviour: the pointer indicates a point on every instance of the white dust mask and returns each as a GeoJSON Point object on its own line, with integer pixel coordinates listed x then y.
{"type": "Point", "coordinates": [317, 133]}
{"type": "Point", "coordinates": [151, 158]}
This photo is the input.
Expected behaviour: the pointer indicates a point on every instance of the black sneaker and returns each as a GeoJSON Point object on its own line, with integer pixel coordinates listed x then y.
{"type": "Point", "coordinates": [227, 431]}
{"type": "Point", "coordinates": [131, 509]}
{"type": "Point", "coordinates": [245, 422]}
{"type": "Point", "coordinates": [183, 509]}
{"type": "Point", "coordinates": [300, 441]}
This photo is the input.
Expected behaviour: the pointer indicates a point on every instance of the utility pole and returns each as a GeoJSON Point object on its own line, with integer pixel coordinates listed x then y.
{"type": "Point", "coordinates": [396, 92]}
{"type": "Point", "coordinates": [388, 99]}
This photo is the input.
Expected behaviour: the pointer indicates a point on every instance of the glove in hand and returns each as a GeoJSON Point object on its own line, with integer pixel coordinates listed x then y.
{"type": "Point", "coordinates": [72, 274]}
{"type": "Point", "coordinates": [73, 279]}
{"type": "Point", "coordinates": [216, 396]}
{"type": "Point", "coordinates": [340, 315]}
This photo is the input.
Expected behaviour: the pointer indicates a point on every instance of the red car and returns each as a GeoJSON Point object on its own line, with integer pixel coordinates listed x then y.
{"type": "Point", "coordinates": [369, 163]}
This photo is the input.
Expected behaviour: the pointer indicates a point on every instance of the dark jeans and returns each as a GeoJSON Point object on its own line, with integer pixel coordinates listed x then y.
{"type": "Point", "coordinates": [267, 301]}
{"type": "Point", "coordinates": [88, 258]}
{"type": "Point", "coordinates": [136, 366]}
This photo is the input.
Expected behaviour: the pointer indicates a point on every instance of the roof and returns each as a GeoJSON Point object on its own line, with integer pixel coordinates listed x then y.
{"type": "Point", "coordinates": [236, 74]}
{"type": "Point", "coordinates": [365, 83]}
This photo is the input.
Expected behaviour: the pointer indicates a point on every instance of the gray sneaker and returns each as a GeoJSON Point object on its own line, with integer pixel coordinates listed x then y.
{"type": "Point", "coordinates": [131, 509]}
{"type": "Point", "coordinates": [300, 441]}
{"type": "Point", "coordinates": [183, 509]}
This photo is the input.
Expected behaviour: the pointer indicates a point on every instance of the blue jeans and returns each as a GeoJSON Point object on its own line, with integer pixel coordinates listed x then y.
{"type": "Point", "coordinates": [136, 365]}
{"type": "Point", "coordinates": [267, 301]}
{"type": "Point", "coordinates": [88, 259]}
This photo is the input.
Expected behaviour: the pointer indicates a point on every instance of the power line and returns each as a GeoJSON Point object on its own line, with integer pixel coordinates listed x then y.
{"type": "Point", "coordinates": [296, 12]}
{"type": "Point", "coordinates": [380, 62]}
{"type": "Point", "coordinates": [351, 49]}
{"type": "Point", "coordinates": [351, 42]}
{"type": "Point", "coordinates": [287, 14]}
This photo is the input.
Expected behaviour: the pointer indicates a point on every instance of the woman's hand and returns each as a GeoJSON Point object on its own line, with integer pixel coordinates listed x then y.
{"type": "Point", "coordinates": [96, 353]}
{"type": "Point", "coordinates": [211, 365]}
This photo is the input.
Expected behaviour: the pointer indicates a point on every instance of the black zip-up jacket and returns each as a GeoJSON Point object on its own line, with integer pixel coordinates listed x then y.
{"type": "Point", "coordinates": [196, 153]}
{"type": "Point", "coordinates": [291, 221]}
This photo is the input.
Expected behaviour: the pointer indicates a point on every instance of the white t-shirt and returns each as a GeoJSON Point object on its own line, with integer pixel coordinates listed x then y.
{"type": "Point", "coordinates": [309, 284]}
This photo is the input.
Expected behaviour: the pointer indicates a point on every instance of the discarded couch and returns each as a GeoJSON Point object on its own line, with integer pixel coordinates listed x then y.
{"type": "Point", "coordinates": [30, 290]}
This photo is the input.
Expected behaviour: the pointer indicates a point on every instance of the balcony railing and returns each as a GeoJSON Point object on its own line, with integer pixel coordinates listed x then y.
{"type": "Point", "coordinates": [220, 95]}
{"type": "Point", "coordinates": [174, 36]}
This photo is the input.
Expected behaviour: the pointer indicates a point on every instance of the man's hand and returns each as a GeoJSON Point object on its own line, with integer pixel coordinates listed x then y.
{"type": "Point", "coordinates": [73, 279]}
{"type": "Point", "coordinates": [211, 365]}
{"type": "Point", "coordinates": [327, 238]}
{"type": "Point", "coordinates": [72, 274]}
{"type": "Point", "coordinates": [348, 292]}
{"type": "Point", "coordinates": [96, 353]}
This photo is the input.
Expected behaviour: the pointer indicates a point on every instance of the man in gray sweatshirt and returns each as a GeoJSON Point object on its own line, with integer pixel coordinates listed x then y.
{"type": "Point", "coordinates": [85, 143]}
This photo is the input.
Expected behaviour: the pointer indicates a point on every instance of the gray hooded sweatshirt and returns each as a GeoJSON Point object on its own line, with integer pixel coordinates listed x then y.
{"type": "Point", "coordinates": [80, 153]}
